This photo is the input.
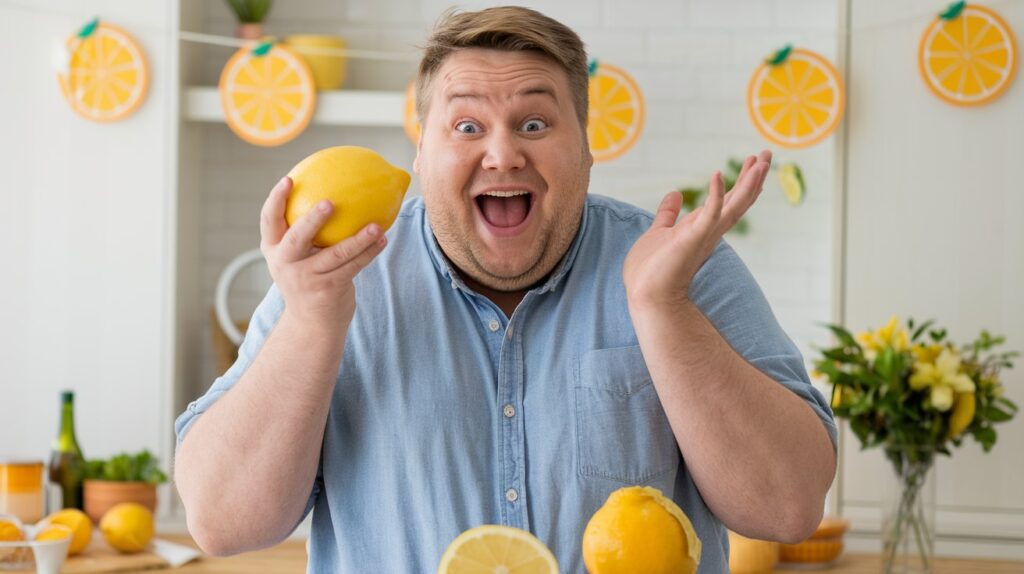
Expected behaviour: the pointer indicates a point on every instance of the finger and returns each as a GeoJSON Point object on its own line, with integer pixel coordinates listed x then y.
{"type": "Point", "coordinates": [668, 210]}
{"type": "Point", "coordinates": [299, 238]}
{"type": "Point", "coordinates": [272, 223]}
{"type": "Point", "coordinates": [747, 164]}
{"type": "Point", "coordinates": [348, 250]}
{"type": "Point", "coordinates": [764, 157]}
{"type": "Point", "coordinates": [713, 204]}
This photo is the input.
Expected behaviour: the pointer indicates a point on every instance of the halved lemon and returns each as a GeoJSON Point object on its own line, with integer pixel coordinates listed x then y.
{"type": "Point", "coordinates": [410, 120]}
{"type": "Point", "coordinates": [267, 100]}
{"type": "Point", "coordinates": [490, 549]}
{"type": "Point", "coordinates": [798, 102]}
{"type": "Point", "coordinates": [107, 76]}
{"type": "Point", "coordinates": [969, 59]}
{"type": "Point", "coordinates": [616, 115]}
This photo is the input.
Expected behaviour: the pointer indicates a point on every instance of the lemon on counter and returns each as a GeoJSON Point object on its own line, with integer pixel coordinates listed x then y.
{"type": "Point", "coordinates": [79, 524]}
{"type": "Point", "coordinates": [491, 548]}
{"type": "Point", "coordinates": [640, 530]}
{"type": "Point", "coordinates": [127, 527]}
{"type": "Point", "coordinates": [361, 184]}
{"type": "Point", "coordinates": [53, 532]}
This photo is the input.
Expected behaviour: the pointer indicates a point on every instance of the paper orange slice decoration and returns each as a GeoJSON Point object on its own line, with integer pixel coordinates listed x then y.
{"type": "Point", "coordinates": [798, 102]}
{"type": "Point", "coordinates": [267, 99]}
{"type": "Point", "coordinates": [970, 58]}
{"type": "Point", "coordinates": [410, 121]}
{"type": "Point", "coordinates": [107, 75]}
{"type": "Point", "coordinates": [616, 113]}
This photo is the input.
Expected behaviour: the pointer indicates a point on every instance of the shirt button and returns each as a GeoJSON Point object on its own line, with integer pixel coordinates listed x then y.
{"type": "Point", "coordinates": [454, 284]}
{"type": "Point", "coordinates": [509, 331]}
{"type": "Point", "coordinates": [494, 325]}
{"type": "Point", "coordinates": [511, 495]}
{"type": "Point", "coordinates": [509, 411]}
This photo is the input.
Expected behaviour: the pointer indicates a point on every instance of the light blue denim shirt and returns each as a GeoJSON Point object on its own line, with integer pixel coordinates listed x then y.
{"type": "Point", "coordinates": [448, 415]}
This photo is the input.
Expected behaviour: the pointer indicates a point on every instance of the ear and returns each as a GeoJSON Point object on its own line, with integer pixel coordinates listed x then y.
{"type": "Point", "coordinates": [416, 160]}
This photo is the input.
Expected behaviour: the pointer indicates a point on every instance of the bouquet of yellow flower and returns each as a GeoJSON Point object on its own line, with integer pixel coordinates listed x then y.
{"type": "Point", "coordinates": [898, 390]}
{"type": "Point", "coordinates": [914, 393]}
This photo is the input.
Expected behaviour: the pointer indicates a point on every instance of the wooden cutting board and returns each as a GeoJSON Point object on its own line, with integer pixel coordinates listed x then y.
{"type": "Point", "coordinates": [101, 558]}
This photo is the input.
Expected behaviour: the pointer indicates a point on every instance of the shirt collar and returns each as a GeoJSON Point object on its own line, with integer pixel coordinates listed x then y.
{"type": "Point", "coordinates": [447, 271]}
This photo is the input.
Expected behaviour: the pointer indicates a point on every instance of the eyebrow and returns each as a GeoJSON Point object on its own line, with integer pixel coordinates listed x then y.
{"type": "Point", "coordinates": [529, 91]}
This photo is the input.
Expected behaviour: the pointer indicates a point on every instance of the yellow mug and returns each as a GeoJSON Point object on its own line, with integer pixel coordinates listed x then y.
{"type": "Point", "coordinates": [328, 69]}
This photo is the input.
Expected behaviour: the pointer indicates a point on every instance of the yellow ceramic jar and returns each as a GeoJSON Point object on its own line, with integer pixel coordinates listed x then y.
{"type": "Point", "coordinates": [328, 69]}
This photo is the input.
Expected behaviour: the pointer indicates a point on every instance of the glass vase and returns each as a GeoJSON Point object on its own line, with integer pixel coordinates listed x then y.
{"type": "Point", "coordinates": [908, 512]}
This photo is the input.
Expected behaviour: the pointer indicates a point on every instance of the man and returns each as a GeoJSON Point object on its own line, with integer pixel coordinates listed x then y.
{"type": "Point", "coordinates": [520, 351]}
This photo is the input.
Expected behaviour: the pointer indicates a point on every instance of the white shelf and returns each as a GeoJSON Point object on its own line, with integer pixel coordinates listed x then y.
{"type": "Point", "coordinates": [333, 107]}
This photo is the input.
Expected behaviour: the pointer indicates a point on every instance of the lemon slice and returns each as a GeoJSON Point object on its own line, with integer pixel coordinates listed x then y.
{"type": "Point", "coordinates": [798, 102]}
{"type": "Point", "coordinates": [616, 115]}
{"type": "Point", "coordinates": [267, 99]}
{"type": "Point", "coordinates": [792, 181]}
{"type": "Point", "coordinates": [107, 75]}
{"type": "Point", "coordinates": [410, 121]}
{"type": "Point", "coordinates": [968, 59]}
{"type": "Point", "coordinates": [493, 549]}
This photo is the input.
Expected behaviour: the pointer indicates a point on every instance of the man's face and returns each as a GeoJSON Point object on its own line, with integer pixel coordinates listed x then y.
{"type": "Point", "coordinates": [503, 166]}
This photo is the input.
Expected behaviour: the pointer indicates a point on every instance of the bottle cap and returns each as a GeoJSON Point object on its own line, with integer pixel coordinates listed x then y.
{"type": "Point", "coordinates": [67, 396]}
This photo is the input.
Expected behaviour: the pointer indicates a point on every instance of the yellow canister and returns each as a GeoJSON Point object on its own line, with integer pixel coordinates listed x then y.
{"type": "Point", "coordinates": [21, 489]}
{"type": "Point", "coordinates": [328, 69]}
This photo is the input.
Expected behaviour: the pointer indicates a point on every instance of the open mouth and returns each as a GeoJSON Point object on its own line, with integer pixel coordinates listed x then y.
{"type": "Point", "coordinates": [505, 211]}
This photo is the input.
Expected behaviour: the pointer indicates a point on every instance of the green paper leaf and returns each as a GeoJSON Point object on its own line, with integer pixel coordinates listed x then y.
{"type": "Point", "coordinates": [262, 49]}
{"type": "Point", "coordinates": [592, 68]}
{"type": "Point", "coordinates": [953, 10]}
{"type": "Point", "coordinates": [89, 28]}
{"type": "Point", "coordinates": [780, 56]}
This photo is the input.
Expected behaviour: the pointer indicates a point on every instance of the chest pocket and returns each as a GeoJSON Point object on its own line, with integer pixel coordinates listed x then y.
{"type": "Point", "coordinates": [622, 432]}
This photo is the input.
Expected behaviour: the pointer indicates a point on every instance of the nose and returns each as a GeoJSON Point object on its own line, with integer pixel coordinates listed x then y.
{"type": "Point", "coordinates": [503, 151]}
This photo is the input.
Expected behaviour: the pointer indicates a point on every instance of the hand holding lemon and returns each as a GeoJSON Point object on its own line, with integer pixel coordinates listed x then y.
{"type": "Point", "coordinates": [324, 223]}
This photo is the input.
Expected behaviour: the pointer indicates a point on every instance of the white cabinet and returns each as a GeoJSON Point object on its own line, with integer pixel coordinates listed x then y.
{"type": "Point", "coordinates": [934, 229]}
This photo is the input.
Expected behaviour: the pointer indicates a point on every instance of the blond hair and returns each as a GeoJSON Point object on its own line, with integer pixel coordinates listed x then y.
{"type": "Point", "coordinates": [508, 28]}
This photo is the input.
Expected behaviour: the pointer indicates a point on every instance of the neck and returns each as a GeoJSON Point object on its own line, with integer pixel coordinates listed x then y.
{"type": "Point", "coordinates": [507, 301]}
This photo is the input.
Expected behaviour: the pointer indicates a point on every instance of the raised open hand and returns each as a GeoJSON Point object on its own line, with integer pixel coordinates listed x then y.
{"type": "Point", "coordinates": [663, 261]}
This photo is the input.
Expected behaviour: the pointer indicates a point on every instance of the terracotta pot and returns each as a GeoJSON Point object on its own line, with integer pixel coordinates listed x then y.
{"type": "Point", "coordinates": [250, 30]}
{"type": "Point", "coordinates": [101, 495]}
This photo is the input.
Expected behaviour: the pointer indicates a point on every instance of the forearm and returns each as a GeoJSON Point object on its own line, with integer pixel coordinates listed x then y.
{"type": "Point", "coordinates": [245, 468]}
{"type": "Point", "coordinates": [760, 456]}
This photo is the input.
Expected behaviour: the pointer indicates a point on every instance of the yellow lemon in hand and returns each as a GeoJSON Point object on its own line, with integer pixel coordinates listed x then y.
{"type": "Point", "coordinates": [640, 530]}
{"type": "Point", "coordinates": [362, 185]}
{"type": "Point", "coordinates": [127, 527]}
{"type": "Point", "coordinates": [80, 525]}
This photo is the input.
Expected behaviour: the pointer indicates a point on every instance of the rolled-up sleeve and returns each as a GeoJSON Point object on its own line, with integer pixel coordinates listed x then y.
{"type": "Point", "coordinates": [262, 322]}
{"type": "Point", "coordinates": [730, 298]}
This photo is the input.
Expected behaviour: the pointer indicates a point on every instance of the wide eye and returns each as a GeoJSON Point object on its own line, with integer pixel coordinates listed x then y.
{"type": "Point", "coordinates": [534, 125]}
{"type": "Point", "coordinates": [467, 127]}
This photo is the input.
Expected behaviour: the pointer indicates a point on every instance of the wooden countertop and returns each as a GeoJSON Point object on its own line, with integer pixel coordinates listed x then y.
{"type": "Point", "coordinates": [289, 557]}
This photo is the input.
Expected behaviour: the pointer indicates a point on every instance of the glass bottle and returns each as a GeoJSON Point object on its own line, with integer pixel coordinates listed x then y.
{"type": "Point", "coordinates": [67, 465]}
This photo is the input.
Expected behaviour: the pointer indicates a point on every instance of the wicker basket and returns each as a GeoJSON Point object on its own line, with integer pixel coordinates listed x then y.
{"type": "Point", "coordinates": [823, 547]}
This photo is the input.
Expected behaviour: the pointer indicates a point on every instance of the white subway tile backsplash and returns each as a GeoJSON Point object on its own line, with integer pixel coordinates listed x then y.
{"type": "Point", "coordinates": [731, 14]}
{"type": "Point", "coordinates": [647, 14]}
{"type": "Point", "coordinates": [694, 48]}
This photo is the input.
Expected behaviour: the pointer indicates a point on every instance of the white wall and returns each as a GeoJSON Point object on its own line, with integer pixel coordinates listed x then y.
{"type": "Point", "coordinates": [934, 231]}
{"type": "Point", "coordinates": [692, 59]}
{"type": "Point", "coordinates": [84, 241]}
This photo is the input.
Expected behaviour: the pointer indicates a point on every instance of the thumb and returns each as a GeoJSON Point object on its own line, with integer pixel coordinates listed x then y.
{"type": "Point", "coordinates": [668, 211]}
